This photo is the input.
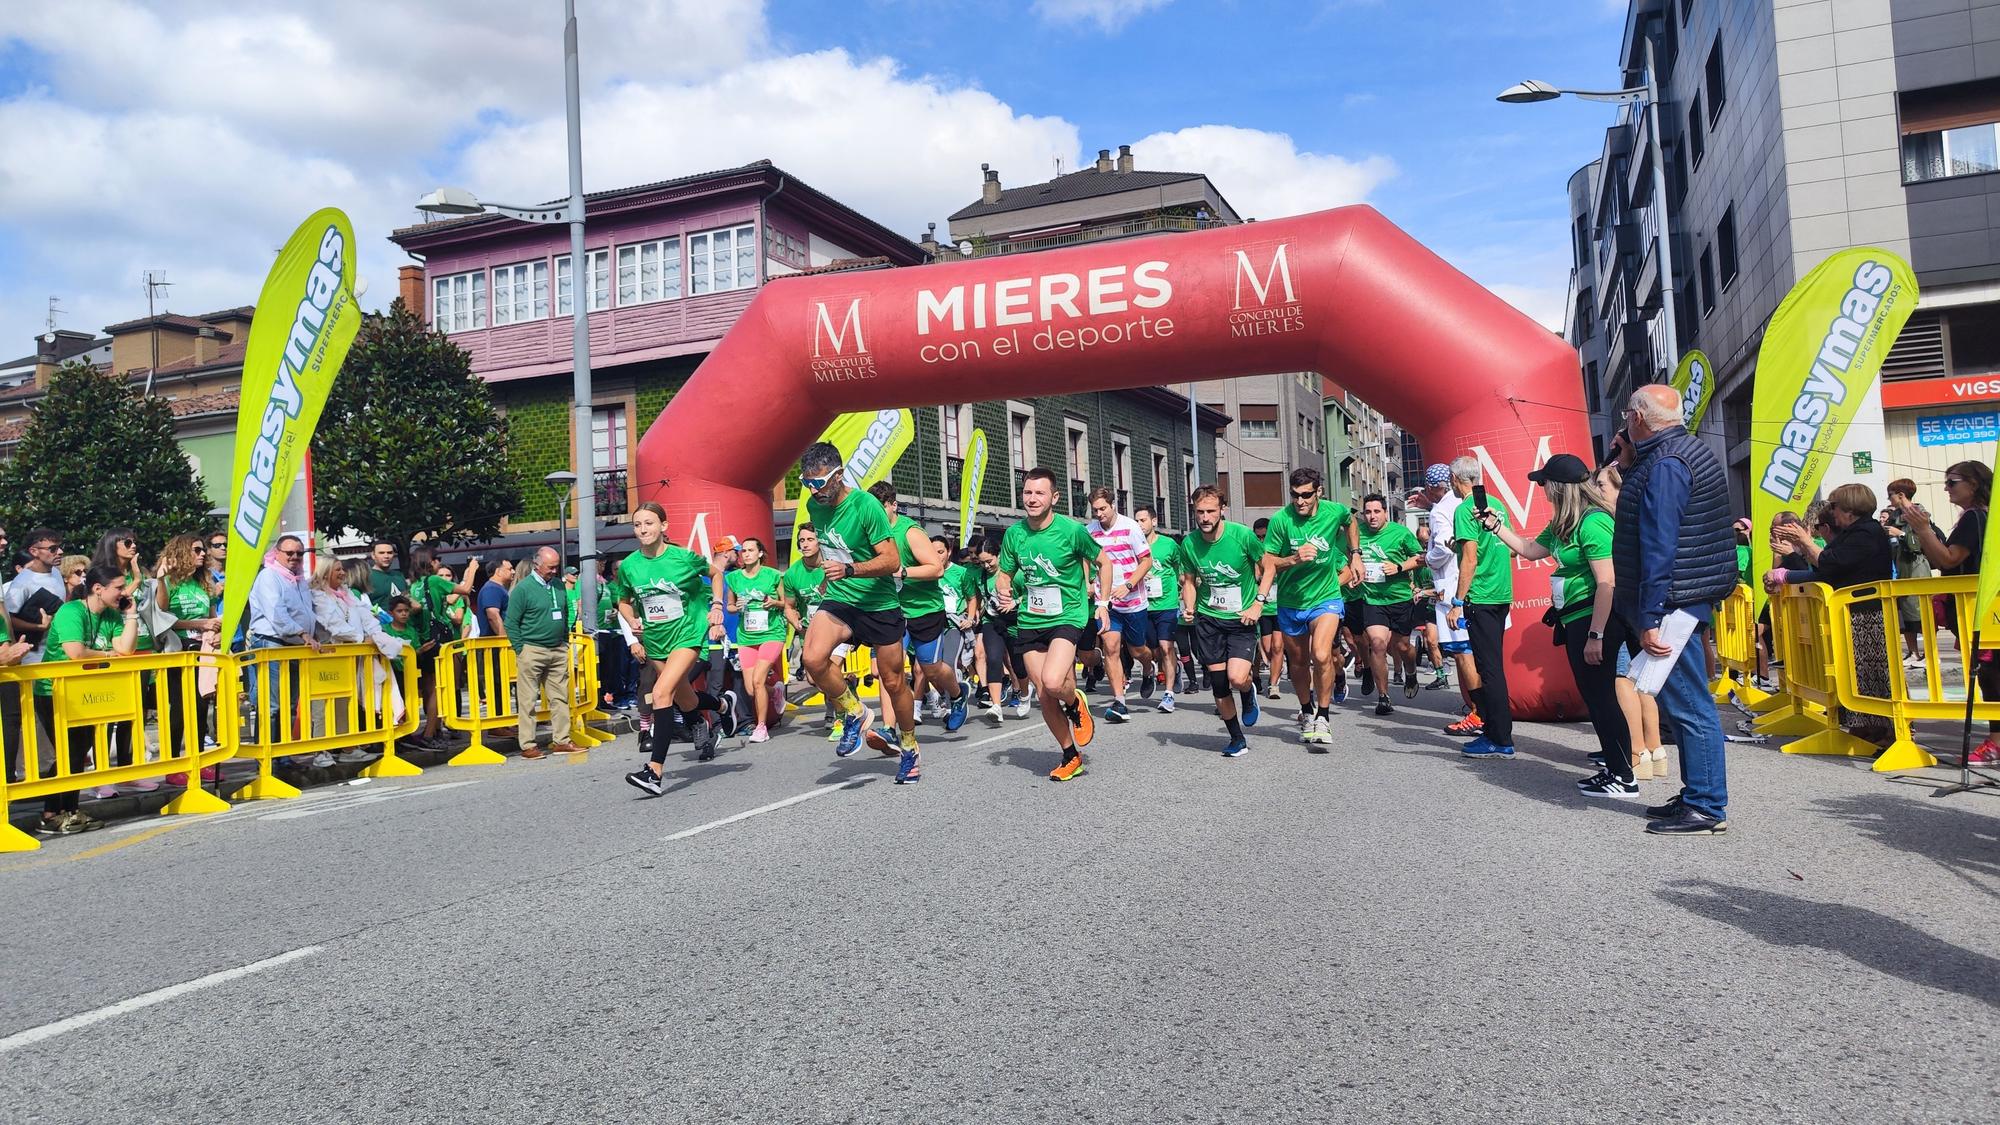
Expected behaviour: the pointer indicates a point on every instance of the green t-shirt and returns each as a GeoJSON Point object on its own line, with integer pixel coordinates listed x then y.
{"type": "Point", "coordinates": [1743, 563]}
{"type": "Point", "coordinates": [75, 623]}
{"type": "Point", "coordinates": [608, 593]}
{"type": "Point", "coordinates": [757, 598]}
{"type": "Point", "coordinates": [386, 584]}
{"type": "Point", "coordinates": [1573, 577]}
{"type": "Point", "coordinates": [920, 597]}
{"type": "Point", "coordinates": [1163, 582]}
{"type": "Point", "coordinates": [670, 595]}
{"type": "Point", "coordinates": [1225, 571]}
{"type": "Point", "coordinates": [408, 634]}
{"type": "Point", "coordinates": [1307, 585]}
{"type": "Point", "coordinates": [848, 534]}
{"type": "Point", "coordinates": [806, 585]}
{"type": "Point", "coordinates": [958, 589]}
{"type": "Point", "coordinates": [1050, 570]}
{"type": "Point", "coordinates": [429, 596]}
{"type": "Point", "coordinates": [1493, 572]}
{"type": "Point", "coordinates": [1381, 552]}
{"type": "Point", "coordinates": [189, 601]}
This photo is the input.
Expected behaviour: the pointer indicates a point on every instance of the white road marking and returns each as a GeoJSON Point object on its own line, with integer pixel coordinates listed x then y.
{"type": "Point", "coordinates": [357, 800]}
{"type": "Point", "coordinates": [50, 1030]}
{"type": "Point", "coordinates": [772, 807]}
{"type": "Point", "coordinates": [995, 738]}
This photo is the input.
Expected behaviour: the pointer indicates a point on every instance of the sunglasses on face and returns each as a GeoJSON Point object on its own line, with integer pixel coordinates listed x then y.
{"type": "Point", "coordinates": [218, 545]}
{"type": "Point", "coordinates": [290, 554]}
{"type": "Point", "coordinates": [1306, 495]}
{"type": "Point", "coordinates": [814, 484]}
{"type": "Point", "coordinates": [1949, 481]}
{"type": "Point", "coordinates": [127, 543]}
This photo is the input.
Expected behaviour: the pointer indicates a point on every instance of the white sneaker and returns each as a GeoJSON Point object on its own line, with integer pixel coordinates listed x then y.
{"type": "Point", "coordinates": [322, 760]}
{"type": "Point", "coordinates": [992, 711]}
{"type": "Point", "coordinates": [356, 756]}
{"type": "Point", "coordinates": [1913, 662]}
{"type": "Point", "coordinates": [761, 734]}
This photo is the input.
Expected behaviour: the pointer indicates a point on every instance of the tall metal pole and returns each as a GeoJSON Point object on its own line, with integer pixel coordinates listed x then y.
{"type": "Point", "coordinates": [580, 279]}
{"type": "Point", "coordinates": [1667, 309]}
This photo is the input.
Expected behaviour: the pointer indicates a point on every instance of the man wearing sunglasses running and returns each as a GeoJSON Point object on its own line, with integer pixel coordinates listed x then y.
{"type": "Point", "coordinates": [1309, 553]}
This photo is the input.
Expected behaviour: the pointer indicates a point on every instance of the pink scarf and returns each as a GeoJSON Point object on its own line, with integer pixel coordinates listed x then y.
{"type": "Point", "coordinates": [276, 561]}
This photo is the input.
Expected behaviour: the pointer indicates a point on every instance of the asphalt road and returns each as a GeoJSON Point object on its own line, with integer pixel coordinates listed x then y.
{"type": "Point", "coordinates": [1384, 933]}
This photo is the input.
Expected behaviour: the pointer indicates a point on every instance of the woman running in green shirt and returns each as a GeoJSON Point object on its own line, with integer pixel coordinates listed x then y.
{"type": "Point", "coordinates": [670, 612]}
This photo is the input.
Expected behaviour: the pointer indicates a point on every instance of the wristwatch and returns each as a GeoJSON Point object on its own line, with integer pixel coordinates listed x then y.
{"type": "Point", "coordinates": [1595, 635]}
{"type": "Point", "coordinates": [1458, 603]}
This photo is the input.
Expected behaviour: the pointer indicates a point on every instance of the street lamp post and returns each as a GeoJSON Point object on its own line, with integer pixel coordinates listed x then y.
{"type": "Point", "coordinates": [1649, 94]}
{"type": "Point", "coordinates": [563, 482]}
{"type": "Point", "coordinates": [457, 201]}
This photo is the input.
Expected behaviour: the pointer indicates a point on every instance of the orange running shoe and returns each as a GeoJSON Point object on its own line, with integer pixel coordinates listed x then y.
{"type": "Point", "coordinates": [1080, 722]}
{"type": "Point", "coordinates": [1470, 726]}
{"type": "Point", "coordinates": [1071, 768]}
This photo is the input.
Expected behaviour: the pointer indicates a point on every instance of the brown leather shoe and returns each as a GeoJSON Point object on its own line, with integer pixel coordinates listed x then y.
{"type": "Point", "coordinates": [531, 752]}
{"type": "Point", "coordinates": [565, 748]}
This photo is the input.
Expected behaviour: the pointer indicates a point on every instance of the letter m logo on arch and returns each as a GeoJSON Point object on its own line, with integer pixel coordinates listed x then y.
{"type": "Point", "coordinates": [1266, 270]}
{"type": "Point", "coordinates": [838, 326]}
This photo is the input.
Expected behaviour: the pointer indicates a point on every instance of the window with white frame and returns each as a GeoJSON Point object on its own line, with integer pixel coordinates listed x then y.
{"type": "Point", "coordinates": [600, 282]}
{"type": "Point", "coordinates": [1020, 442]}
{"type": "Point", "coordinates": [607, 438]}
{"type": "Point", "coordinates": [1121, 472]}
{"type": "Point", "coordinates": [458, 302]}
{"type": "Point", "coordinates": [721, 260]}
{"type": "Point", "coordinates": [649, 271]}
{"type": "Point", "coordinates": [520, 292]}
{"type": "Point", "coordinates": [954, 429]}
{"type": "Point", "coordinates": [1162, 485]}
{"type": "Point", "coordinates": [1076, 450]}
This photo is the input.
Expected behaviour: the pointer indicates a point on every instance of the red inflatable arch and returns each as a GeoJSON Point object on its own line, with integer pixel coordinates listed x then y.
{"type": "Point", "coordinates": [1343, 293]}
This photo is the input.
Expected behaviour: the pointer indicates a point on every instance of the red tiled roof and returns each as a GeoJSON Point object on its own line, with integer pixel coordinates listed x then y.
{"type": "Point", "coordinates": [221, 402]}
{"type": "Point", "coordinates": [838, 265]}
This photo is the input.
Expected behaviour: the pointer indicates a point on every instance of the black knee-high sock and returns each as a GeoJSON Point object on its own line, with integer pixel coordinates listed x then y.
{"type": "Point", "coordinates": [1245, 700]}
{"type": "Point", "coordinates": [1235, 726]}
{"type": "Point", "coordinates": [662, 738]}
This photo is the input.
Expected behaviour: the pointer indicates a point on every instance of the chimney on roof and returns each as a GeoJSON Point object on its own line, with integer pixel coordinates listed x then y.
{"type": "Point", "coordinates": [206, 346]}
{"type": "Point", "coordinates": [989, 192]}
{"type": "Point", "coordinates": [1104, 160]}
{"type": "Point", "coordinates": [929, 242]}
{"type": "Point", "coordinates": [1124, 158]}
{"type": "Point", "coordinates": [410, 287]}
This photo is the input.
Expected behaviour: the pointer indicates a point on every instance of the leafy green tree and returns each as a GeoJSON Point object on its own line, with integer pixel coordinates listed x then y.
{"type": "Point", "coordinates": [409, 442]}
{"type": "Point", "coordinates": [96, 456]}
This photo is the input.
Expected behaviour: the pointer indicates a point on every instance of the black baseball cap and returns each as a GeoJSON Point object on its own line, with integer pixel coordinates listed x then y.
{"type": "Point", "coordinates": [1563, 468]}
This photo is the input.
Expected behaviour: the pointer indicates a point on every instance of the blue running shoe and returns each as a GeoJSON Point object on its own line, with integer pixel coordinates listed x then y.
{"type": "Point", "coordinates": [1481, 747]}
{"type": "Point", "coordinates": [955, 718]}
{"type": "Point", "coordinates": [1236, 748]}
{"type": "Point", "coordinates": [851, 728]}
{"type": "Point", "coordinates": [1340, 693]}
{"type": "Point", "coordinates": [908, 772]}
{"type": "Point", "coordinates": [1250, 716]}
{"type": "Point", "coordinates": [1166, 704]}
{"type": "Point", "coordinates": [883, 741]}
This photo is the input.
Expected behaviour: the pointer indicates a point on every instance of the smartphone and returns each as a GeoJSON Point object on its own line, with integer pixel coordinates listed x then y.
{"type": "Point", "coordinates": [1479, 497]}
{"type": "Point", "coordinates": [125, 603]}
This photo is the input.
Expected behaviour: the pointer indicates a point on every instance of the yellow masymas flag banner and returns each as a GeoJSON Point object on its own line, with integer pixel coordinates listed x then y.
{"type": "Point", "coordinates": [1986, 621]}
{"type": "Point", "coordinates": [1821, 353]}
{"type": "Point", "coordinates": [871, 441]}
{"type": "Point", "coordinates": [970, 482]}
{"type": "Point", "coordinates": [1695, 380]}
{"type": "Point", "coordinates": [306, 320]}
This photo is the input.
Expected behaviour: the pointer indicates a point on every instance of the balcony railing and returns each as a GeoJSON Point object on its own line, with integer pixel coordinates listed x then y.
{"type": "Point", "coordinates": [1150, 224]}
{"type": "Point", "coordinates": [612, 490]}
{"type": "Point", "coordinates": [954, 477]}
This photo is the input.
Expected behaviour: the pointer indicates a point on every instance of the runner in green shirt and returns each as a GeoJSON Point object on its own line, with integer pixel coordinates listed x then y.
{"type": "Point", "coordinates": [1163, 604]}
{"type": "Point", "coordinates": [931, 639]}
{"type": "Point", "coordinates": [1390, 555]}
{"type": "Point", "coordinates": [1223, 598]}
{"type": "Point", "coordinates": [1485, 595]}
{"type": "Point", "coordinates": [756, 596]}
{"type": "Point", "coordinates": [1042, 579]}
{"type": "Point", "coordinates": [1308, 552]}
{"type": "Point", "coordinates": [862, 565]}
{"type": "Point", "coordinates": [670, 613]}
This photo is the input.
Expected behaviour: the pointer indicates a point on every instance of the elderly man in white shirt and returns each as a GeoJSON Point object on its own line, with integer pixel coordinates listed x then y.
{"type": "Point", "coordinates": [280, 616]}
{"type": "Point", "coordinates": [1446, 492]}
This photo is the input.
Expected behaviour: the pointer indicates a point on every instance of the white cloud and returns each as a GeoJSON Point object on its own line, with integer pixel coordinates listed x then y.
{"type": "Point", "coordinates": [902, 150]}
{"type": "Point", "coordinates": [1544, 303]}
{"type": "Point", "coordinates": [1264, 175]}
{"type": "Point", "coordinates": [1108, 15]}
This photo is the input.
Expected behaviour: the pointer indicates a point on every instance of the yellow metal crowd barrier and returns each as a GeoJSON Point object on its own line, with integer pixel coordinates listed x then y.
{"type": "Point", "coordinates": [1899, 707]}
{"type": "Point", "coordinates": [1736, 650]}
{"type": "Point", "coordinates": [1814, 654]}
{"type": "Point", "coordinates": [94, 715]}
{"type": "Point", "coordinates": [476, 693]}
{"type": "Point", "coordinates": [342, 697]}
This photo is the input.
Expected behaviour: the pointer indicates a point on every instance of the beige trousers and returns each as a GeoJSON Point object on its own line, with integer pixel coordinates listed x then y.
{"type": "Point", "coordinates": [542, 673]}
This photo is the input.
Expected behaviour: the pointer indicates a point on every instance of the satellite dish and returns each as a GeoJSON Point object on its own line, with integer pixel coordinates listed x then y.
{"type": "Point", "coordinates": [48, 337]}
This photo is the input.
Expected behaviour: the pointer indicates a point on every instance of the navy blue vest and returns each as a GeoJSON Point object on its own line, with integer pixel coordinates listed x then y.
{"type": "Point", "coordinates": [1704, 565]}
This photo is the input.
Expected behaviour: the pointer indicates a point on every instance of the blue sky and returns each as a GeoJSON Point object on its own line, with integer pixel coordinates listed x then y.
{"type": "Point", "coordinates": [190, 137]}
